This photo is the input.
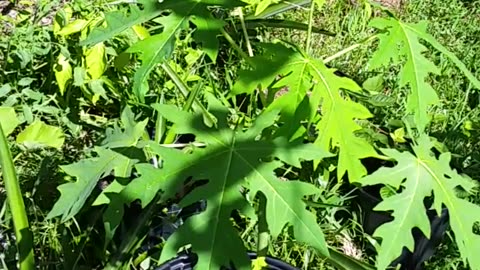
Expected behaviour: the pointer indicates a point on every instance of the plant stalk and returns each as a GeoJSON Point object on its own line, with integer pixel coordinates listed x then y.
{"type": "Point", "coordinates": [192, 97]}
{"type": "Point", "coordinates": [237, 48]}
{"type": "Point", "coordinates": [349, 49]}
{"type": "Point", "coordinates": [160, 126]}
{"type": "Point", "coordinates": [196, 105]}
{"type": "Point", "coordinates": [17, 207]}
{"type": "Point", "coordinates": [310, 27]}
{"type": "Point", "coordinates": [263, 233]}
{"type": "Point", "coordinates": [245, 33]}
{"type": "Point", "coordinates": [133, 236]}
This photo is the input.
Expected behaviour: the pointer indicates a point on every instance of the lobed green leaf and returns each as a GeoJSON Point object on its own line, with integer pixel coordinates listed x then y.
{"type": "Point", "coordinates": [234, 160]}
{"type": "Point", "coordinates": [420, 175]}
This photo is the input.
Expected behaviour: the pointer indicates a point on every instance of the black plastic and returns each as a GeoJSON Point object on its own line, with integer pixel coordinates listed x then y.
{"type": "Point", "coordinates": [187, 261]}
{"type": "Point", "coordinates": [424, 247]}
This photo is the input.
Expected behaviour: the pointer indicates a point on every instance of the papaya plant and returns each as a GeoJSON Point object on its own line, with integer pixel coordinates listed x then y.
{"type": "Point", "coordinates": [300, 112]}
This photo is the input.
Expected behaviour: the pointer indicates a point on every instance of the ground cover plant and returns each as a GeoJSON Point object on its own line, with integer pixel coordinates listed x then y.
{"type": "Point", "coordinates": [134, 131]}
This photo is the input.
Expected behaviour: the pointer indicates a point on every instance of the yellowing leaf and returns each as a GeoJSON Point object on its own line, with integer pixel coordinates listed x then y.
{"type": "Point", "coordinates": [398, 135]}
{"type": "Point", "coordinates": [63, 72]}
{"type": "Point", "coordinates": [192, 57]}
{"type": "Point", "coordinates": [319, 3]}
{"type": "Point", "coordinates": [39, 134]}
{"type": "Point", "coordinates": [259, 263]}
{"type": "Point", "coordinates": [141, 31]}
{"type": "Point", "coordinates": [95, 61]}
{"type": "Point", "coordinates": [62, 17]}
{"type": "Point", "coordinates": [157, 48]}
{"type": "Point", "coordinates": [73, 27]}
{"type": "Point", "coordinates": [262, 6]}
{"type": "Point", "coordinates": [9, 119]}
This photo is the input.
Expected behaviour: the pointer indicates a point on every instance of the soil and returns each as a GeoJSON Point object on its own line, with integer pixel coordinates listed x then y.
{"type": "Point", "coordinates": [394, 4]}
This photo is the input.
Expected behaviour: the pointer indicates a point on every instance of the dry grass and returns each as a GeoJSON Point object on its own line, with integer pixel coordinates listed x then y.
{"type": "Point", "coordinates": [394, 4]}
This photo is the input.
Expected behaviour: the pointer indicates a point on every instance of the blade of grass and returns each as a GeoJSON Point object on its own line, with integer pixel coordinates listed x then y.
{"type": "Point", "coordinates": [279, 8]}
{"type": "Point", "coordinates": [133, 236]}
{"type": "Point", "coordinates": [344, 262]}
{"type": "Point", "coordinates": [197, 105]}
{"type": "Point", "coordinates": [192, 97]}
{"type": "Point", "coordinates": [160, 125]}
{"type": "Point", "coordinates": [17, 207]}
{"type": "Point", "coordinates": [308, 42]}
{"type": "Point", "coordinates": [349, 49]}
{"type": "Point", "coordinates": [245, 33]}
{"type": "Point", "coordinates": [237, 48]}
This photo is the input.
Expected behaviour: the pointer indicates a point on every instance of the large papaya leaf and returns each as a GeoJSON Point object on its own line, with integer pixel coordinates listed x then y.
{"type": "Point", "coordinates": [233, 159]}
{"type": "Point", "coordinates": [400, 41]}
{"type": "Point", "coordinates": [122, 192]}
{"type": "Point", "coordinates": [299, 74]}
{"type": "Point", "coordinates": [113, 215]}
{"type": "Point", "coordinates": [338, 124]}
{"type": "Point", "coordinates": [157, 48]}
{"type": "Point", "coordinates": [277, 61]}
{"type": "Point", "coordinates": [87, 173]}
{"type": "Point", "coordinates": [420, 175]}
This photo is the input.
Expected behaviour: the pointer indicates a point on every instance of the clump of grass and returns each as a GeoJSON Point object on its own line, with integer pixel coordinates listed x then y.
{"type": "Point", "coordinates": [23, 233]}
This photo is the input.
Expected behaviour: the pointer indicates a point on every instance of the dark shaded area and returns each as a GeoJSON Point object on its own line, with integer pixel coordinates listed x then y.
{"type": "Point", "coordinates": [425, 247]}
{"type": "Point", "coordinates": [187, 261]}
{"type": "Point", "coordinates": [369, 197]}
{"type": "Point", "coordinates": [6, 7]}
